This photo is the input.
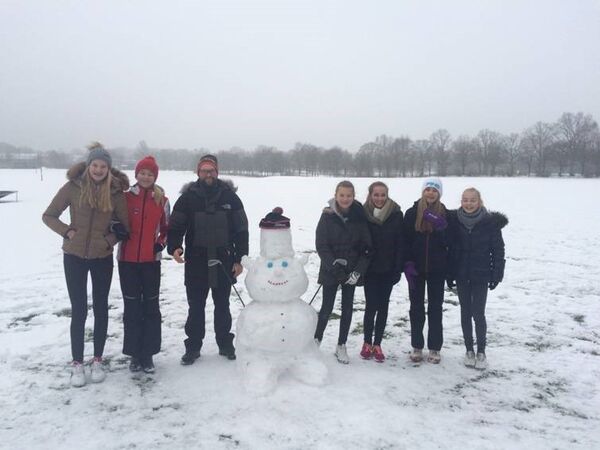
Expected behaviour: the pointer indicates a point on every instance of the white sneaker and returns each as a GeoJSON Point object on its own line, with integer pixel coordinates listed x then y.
{"type": "Point", "coordinates": [470, 359]}
{"type": "Point", "coordinates": [434, 357]}
{"type": "Point", "coordinates": [98, 374]}
{"type": "Point", "coordinates": [341, 354]}
{"type": "Point", "coordinates": [481, 362]}
{"type": "Point", "coordinates": [416, 355]}
{"type": "Point", "coordinates": [77, 374]}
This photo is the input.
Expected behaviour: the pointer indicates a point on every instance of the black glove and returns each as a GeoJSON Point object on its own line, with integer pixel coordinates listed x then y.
{"type": "Point", "coordinates": [158, 248]}
{"type": "Point", "coordinates": [396, 277]}
{"type": "Point", "coordinates": [119, 231]}
{"type": "Point", "coordinates": [450, 283]}
{"type": "Point", "coordinates": [492, 285]}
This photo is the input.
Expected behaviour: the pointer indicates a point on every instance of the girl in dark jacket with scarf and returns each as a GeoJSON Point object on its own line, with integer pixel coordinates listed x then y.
{"type": "Point", "coordinates": [385, 224]}
{"type": "Point", "coordinates": [343, 243]}
{"type": "Point", "coordinates": [426, 265]}
{"type": "Point", "coordinates": [477, 263]}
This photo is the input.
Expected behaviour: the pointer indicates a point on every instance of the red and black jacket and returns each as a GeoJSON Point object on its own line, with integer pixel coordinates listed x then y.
{"type": "Point", "coordinates": [148, 222]}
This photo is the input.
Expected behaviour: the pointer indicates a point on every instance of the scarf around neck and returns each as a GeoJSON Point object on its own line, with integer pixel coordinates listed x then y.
{"type": "Point", "coordinates": [469, 220]}
{"type": "Point", "coordinates": [380, 215]}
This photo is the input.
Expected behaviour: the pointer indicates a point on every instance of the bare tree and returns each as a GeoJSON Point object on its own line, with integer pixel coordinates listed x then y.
{"type": "Point", "coordinates": [538, 139]}
{"type": "Point", "coordinates": [463, 149]}
{"type": "Point", "coordinates": [440, 144]}
{"type": "Point", "coordinates": [575, 132]}
{"type": "Point", "coordinates": [512, 144]}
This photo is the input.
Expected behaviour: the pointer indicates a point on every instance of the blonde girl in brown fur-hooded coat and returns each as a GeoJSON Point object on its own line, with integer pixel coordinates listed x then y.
{"type": "Point", "coordinates": [94, 195]}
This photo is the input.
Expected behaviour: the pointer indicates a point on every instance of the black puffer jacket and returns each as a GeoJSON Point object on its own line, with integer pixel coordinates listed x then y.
{"type": "Point", "coordinates": [429, 251]}
{"type": "Point", "coordinates": [213, 221]}
{"type": "Point", "coordinates": [388, 244]}
{"type": "Point", "coordinates": [343, 237]}
{"type": "Point", "coordinates": [477, 255]}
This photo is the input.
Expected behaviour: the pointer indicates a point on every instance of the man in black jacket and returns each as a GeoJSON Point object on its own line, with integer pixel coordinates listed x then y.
{"type": "Point", "coordinates": [212, 218]}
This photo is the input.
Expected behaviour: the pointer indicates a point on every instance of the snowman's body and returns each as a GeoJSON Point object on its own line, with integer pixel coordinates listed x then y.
{"type": "Point", "coordinates": [275, 331]}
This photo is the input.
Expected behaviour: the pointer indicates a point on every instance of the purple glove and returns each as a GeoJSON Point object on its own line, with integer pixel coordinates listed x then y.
{"type": "Point", "coordinates": [410, 272]}
{"type": "Point", "coordinates": [438, 221]}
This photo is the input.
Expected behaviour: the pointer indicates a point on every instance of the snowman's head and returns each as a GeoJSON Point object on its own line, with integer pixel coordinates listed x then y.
{"type": "Point", "coordinates": [274, 280]}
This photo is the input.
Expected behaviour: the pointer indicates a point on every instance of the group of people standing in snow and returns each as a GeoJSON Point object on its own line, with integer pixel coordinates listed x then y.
{"type": "Point", "coordinates": [374, 243]}
{"type": "Point", "coordinates": [370, 245]}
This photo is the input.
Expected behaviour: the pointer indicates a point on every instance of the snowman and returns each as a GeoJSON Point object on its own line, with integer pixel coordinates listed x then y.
{"type": "Point", "coordinates": [275, 331]}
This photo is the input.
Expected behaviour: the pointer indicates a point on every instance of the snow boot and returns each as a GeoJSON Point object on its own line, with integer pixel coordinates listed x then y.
{"type": "Point", "coordinates": [147, 364]}
{"type": "Point", "coordinates": [378, 354]}
{"type": "Point", "coordinates": [190, 357]}
{"type": "Point", "coordinates": [97, 371]}
{"type": "Point", "coordinates": [416, 355]}
{"type": "Point", "coordinates": [470, 359]}
{"type": "Point", "coordinates": [481, 362]}
{"type": "Point", "coordinates": [134, 364]}
{"type": "Point", "coordinates": [318, 342]}
{"type": "Point", "coordinates": [367, 351]}
{"type": "Point", "coordinates": [341, 354]}
{"type": "Point", "coordinates": [434, 357]}
{"type": "Point", "coordinates": [77, 374]}
{"type": "Point", "coordinates": [228, 352]}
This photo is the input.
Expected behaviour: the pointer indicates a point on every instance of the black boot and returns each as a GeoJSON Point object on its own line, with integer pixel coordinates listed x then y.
{"type": "Point", "coordinates": [147, 364]}
{"type": "Point", "coordinates": [228, 351]}
{"type": "Point", "coordinates": [190, 357]}
{"type": "Point", "coordinates": [134, 364]}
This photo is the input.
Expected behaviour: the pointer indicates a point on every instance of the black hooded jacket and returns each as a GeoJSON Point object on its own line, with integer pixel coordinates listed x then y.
{"type": "Point", "coordinates": [477, 255]}
{"type": "Point", "coordinates": [429, 251]}
{"type": "Point", "coordinates": [213, 221]}
{"type": "Point", "coordinates": [343, 237]}
{"type": "Point", "coordinates": [388, 244]}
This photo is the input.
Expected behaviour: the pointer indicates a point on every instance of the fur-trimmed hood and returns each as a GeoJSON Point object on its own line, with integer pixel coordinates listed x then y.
{"type": "Point", "coordinates": [224, 183]}
{"type": "Point", "coordinates": [120, 181]}
{"type": "Point", "coordinates": [356, 210]}
{"type": "Point", "coordinates": [494, 218]}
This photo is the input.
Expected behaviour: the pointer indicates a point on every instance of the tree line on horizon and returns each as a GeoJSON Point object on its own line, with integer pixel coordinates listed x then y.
{"type": "Point", "coordinates": [568, 147]}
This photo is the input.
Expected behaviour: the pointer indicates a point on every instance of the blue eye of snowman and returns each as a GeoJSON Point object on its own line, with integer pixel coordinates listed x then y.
{"type": "Point", "coordinates": [284, 263]}
{"type": "Point", "coordinates": [270, 264]}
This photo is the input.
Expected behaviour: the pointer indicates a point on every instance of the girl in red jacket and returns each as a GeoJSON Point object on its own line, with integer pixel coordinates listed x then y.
{"type": "Point", "coordinates": [139, 266]}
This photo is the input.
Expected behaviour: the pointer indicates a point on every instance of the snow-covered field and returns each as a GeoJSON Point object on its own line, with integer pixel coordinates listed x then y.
{"type": "Point", "coordinates": [541, 390]}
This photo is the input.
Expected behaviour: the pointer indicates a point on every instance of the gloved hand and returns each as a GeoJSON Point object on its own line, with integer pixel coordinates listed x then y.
{"type": "Point", "coordinates": [410, 271]}
{"type": "Point", "coordinates": [396, 277]}
{"type": "Point", "coordinates": [450, 283]}
{"type": "Point", "coordinates": [158, 248]}
{"type": "Point", "coordinates": [353, 278]}
{"type": "Point", "coordinates": [438, 221]}
{"type": "Point", "coordinates": [118, 229]}
{"type": "Point", "coordinates": [492, 285]}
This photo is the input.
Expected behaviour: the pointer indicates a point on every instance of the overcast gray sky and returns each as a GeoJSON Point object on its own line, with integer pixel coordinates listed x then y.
{"type": "Point", "coordinates": [246, 73]}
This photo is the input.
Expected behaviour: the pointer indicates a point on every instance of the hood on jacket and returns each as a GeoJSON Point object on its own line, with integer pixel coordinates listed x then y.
{"type": "Point", "coordinates": [120, 181]}
{"type": "Point", "coordinates": [223, 182]}
{"type": "Point", "coordinates": [498, 219]}
{"type": "Point", "coordinates": [356, 210]}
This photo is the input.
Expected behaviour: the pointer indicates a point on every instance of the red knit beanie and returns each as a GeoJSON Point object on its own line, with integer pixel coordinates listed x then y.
{"type": "Point", "coordinates": [208, 160]}
{"type": "Point", "coordinates": [148, 163]}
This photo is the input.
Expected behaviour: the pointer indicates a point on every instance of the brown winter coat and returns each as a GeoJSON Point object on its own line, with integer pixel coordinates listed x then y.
{"type": "Point", "coordinates": [92, 238]}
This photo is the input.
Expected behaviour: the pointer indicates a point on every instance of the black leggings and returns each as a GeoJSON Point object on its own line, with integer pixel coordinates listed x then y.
{"type": "Point", "coordinates": [435, 300]}
{"type": "Point", "coordinates": [76, 273]}
{"type": "Point", "coordinates": [378, 288]}
{"type": "Point", "coordinates": [140, 284]}
{"type": "Point", "coordinates": [329, 292]}
{"type": "Point", "coordinates": [472, 297]}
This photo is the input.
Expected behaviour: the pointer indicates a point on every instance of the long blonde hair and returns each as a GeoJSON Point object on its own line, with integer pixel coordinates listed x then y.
{"type": "Point", "coordinates": [437, 208]}
{"type": "Point", "coordinates": [158, 194]}
{"type": "Point", "coordinates": [97, 196]}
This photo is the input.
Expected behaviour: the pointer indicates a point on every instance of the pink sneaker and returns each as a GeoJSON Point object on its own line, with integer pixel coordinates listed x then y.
{"type": "Point", "coordinates": [367, 351]}
{"type": "Point", "coordinates": [378, 353]}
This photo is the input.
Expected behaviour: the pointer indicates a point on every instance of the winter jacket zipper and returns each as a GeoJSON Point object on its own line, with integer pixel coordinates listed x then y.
{"type": "Point", "coordinates": [89, 235]}
{"type": "Point", "coordinates": [142, 226]}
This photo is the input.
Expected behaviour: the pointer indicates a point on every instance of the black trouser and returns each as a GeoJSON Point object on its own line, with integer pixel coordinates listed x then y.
{"type": "Point", "coordinates": [435, 300]}
{"type": "Point", "coordinates": [197, 290]}
{"type": "Point", "coordinates": [472, 297]}
{"type": "Point", "coordinates": [140, 285]}
{"type": "Point", "coordinates": [329, 292]}
{"type": "Point", "coordinates": [76, 273]}
{"type": "Point", "coordinates": [378, 287]}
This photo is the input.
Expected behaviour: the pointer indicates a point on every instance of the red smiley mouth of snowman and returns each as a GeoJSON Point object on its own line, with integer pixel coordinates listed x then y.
{"type": "Point", "coordinates": [277, 283]}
